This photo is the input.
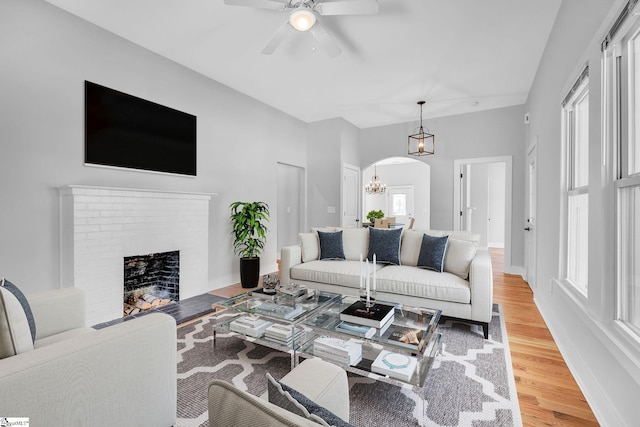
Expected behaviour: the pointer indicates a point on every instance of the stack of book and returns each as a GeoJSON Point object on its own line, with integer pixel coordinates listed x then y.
{"type": "Point", "coordinates": [250, 325]}
{"type": "Point", "coordinates": [354, 329]}
{"type": "Point", "coordinates": [376, 316]}
{"type": "Point", "coordinates": [337, 350]}
{"type": "Point", "coordinates": [395, 365]}
{"type": "Point", "coordinates": [270, 308]}
{"type": "Point", "coordinates": [283, 334]}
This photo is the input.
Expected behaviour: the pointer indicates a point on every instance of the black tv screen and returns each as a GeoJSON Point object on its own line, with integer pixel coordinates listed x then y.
{"type": "Point", "coordinates": [125, 131]}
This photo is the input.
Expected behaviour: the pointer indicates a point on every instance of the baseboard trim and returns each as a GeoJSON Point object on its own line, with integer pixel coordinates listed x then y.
{"type": "Point", "coordinates": [595, 393]}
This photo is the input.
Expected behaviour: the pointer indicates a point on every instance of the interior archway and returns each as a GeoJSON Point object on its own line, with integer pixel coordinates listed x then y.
{"type": "Point", "coordinates": [400, 175]}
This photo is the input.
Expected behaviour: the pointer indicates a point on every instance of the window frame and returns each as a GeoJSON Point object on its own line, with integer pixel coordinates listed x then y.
{"type": "Point", "coordinates": [571, 190]}
{"type": "Point", "coordinates": [621, 100]}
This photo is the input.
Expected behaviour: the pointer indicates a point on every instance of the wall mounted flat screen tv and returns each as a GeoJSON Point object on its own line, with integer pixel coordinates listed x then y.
{"type": "Point", "coordinates": [125, 131]}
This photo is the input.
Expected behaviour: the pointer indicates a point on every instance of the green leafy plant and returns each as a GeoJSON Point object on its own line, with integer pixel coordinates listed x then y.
{"type": "Point", "coordinates": [374, 214]}
{"type": "Point", "coordinates": [248, 227]}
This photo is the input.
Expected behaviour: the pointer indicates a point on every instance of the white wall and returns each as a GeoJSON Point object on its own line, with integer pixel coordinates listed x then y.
{"type": "Point", "coordinates": [46, 56]}
{"type": "Point", "coordinates": [331, 143]}
{"type": "Point", "coordinates": [491, 133]}
{"type": "Point", "coordinates": [605, 365]}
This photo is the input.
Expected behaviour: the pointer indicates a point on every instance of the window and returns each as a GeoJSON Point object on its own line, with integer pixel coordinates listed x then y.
{"type": "Point", "coordinates": [399, 205]}
{"type": "Point", "coordinates": [622, 101]}
{"type": "Point", "coordinates": [576, 142]}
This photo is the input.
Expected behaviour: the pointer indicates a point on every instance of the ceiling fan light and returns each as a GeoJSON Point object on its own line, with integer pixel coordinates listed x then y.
{"type": "Point", "coordinates": [302, 19]}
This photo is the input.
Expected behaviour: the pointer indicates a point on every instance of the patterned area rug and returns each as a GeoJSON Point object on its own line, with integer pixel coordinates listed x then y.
{"type": "Point", "coordinates": [470, 384]}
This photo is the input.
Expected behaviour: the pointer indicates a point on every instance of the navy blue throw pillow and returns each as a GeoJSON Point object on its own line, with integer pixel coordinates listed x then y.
{"type": "Point", "coordinates": [432, 252]}
{"type": "Point", "coordinates": [315, 409]}
{"type": "Point", "coordinates": [385, 243]}
{"type": "Point", "coordinates": [331, 245]}
{"type": "Point", "coordinates": [24, 303]}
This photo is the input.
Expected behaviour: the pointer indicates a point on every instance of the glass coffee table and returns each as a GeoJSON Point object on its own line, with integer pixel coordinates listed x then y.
{"type": "Point", "coordinates": [319, 316]}
{"type": "Point", "coordinates": [279, 310]}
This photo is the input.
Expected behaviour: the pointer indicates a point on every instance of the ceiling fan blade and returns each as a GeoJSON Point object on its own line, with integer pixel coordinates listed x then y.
{"type": "Point", "coordinates": [277, 38]}
{"type": "Point", "coordinates": [348, 7]}
{"type": "Point", "coordinates": [325, 40]}
{"type": "Point", "coordinates": [260, 4]}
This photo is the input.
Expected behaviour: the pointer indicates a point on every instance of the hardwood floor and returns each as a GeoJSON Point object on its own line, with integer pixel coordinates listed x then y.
{"type": "Point", "coordinates": [548, 393]}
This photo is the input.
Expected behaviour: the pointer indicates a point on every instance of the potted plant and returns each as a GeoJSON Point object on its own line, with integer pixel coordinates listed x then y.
{"type": "Point", "coordinates": [249, 235]}
{"type": "Point", "coordinates": [374, 214]}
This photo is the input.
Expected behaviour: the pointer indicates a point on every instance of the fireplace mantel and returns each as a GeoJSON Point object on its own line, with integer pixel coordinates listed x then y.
{"type": "Point", "coordinates": [99, 226]}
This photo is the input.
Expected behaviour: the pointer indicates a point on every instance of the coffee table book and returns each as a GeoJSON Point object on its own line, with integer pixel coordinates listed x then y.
{"type": "Point", "coordinates": [395, 365]}
{"type": "Point", "coordinates": [348, 352]}
{"type": "Point", "coordinates": [375, 316]}
{"type": "Point", "coordinates": [405, 336]}
{"type": "Point", "coordinates": [361, 331]}
{"type": "Point", "coordinates": [270, 308]}
{"type": "Point", "coordinates": [249, 325]}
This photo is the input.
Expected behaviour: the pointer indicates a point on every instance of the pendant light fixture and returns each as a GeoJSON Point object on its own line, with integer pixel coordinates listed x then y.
{"type": "Point", "coordinates": [421, 143]}
{"type": "Point", "coordinates": [375, 186]}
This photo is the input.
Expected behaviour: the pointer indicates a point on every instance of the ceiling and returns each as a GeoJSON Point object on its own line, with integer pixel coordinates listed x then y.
{"type": "Point", "coordinates": [459, 56]}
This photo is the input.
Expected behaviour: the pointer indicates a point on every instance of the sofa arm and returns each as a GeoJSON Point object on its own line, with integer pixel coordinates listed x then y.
{"type": "Point", "coordinates": [57, 311]}
{"type": "Point", "coordinates": [481, 283]}
{"type": "Point", "coordinates": [231, 407]}
{"type": "Point", "coordinates": [322, 382]}
{"type": "Point", "coordinates": [290, 256]}
{"type": "Point", "coordinates": [122, 375]}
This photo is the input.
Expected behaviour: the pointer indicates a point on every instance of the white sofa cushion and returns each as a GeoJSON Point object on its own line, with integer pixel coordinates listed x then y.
{"type": "Point", "coordinates": [343, 273]}
{"type": "Point", "coordinates": [309, 246]}
{"type": "Point", "coordinates": [459, 255]}
{"type": "Point", "coordinates": [355, 242]}
{"type": "Point", "coordinates": [15, 333]}
{"type": "Point", "coordinates": [408, 280]}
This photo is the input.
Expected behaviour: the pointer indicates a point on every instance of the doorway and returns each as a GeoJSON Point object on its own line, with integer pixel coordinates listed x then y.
{"type": "Point", "coordinates": [400, 203]}
{"type": "Point", "coordinates": [482, 200]}
{"type": "Point", "coordinates": [530, 228]}
{"type": "Point", "coordinates": [290, 209]}
{"type": "Point", "coordinates": [350, 199]}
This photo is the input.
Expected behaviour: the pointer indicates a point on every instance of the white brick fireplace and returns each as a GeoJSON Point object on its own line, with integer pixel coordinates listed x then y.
{"type": "Point", "coordinates": [100, 226]}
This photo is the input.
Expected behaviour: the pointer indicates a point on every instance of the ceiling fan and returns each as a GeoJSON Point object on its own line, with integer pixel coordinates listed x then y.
{"type": "Point", "coordinates": [303, 16]}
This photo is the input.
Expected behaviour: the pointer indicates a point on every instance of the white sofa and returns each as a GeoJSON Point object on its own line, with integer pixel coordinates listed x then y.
{"type": "Point", "coordinates": [463, 290]}
{"type": "Point", "coordinates": [122, 375]}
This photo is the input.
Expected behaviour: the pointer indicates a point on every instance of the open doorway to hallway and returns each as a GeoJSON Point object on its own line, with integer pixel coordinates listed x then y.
{"type": "Point", "coordinates": [482, 200]}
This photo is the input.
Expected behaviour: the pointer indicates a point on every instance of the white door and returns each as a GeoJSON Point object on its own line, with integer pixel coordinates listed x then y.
{"type": "Point", "coordinates": [530, 220]}
{"type": "Point", "coordinates": [400, 203]}
{"type": "Point", "coordinates": [350, 195]}
{"type": "Point", "coordinates": [466, 210]}
{"type": "Point", "coordinates": [290, 204]}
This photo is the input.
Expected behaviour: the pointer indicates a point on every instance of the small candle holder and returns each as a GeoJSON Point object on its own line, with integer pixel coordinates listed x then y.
{"type": "Point", "coordinates": [369, 302]}
{"type": "Point", "coordinates": [270, 283]}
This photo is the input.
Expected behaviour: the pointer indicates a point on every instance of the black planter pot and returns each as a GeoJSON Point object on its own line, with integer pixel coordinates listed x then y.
{"type": "Point", "coordinates": [249, 272]}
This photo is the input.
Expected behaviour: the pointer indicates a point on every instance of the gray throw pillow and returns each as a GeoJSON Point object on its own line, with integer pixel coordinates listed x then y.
{"type": "Point", "coordinates": [385, 243]}
{"type": "Point", "coordinates": [331, 245]}
{"type": "Point", "coordinates": [293, 401]}
{"type": "Point", "coordinates": [24, 303]}
{"type": "Point", "coordinates": [432, 252]}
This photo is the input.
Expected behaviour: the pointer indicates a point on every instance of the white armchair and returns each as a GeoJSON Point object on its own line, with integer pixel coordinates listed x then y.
{"type": "Point", "coordinates": [122, 375]}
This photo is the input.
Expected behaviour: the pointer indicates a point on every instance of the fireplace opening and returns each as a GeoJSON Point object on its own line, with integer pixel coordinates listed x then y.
{"type": "Point", "coordinates": [151, 281]}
